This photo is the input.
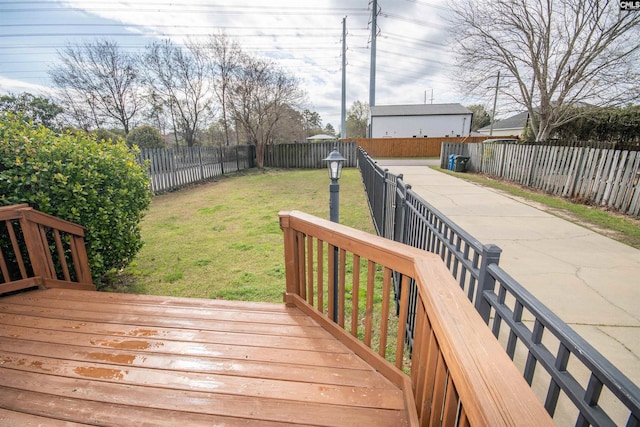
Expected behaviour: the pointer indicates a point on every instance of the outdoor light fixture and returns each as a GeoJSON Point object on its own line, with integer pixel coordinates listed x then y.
{"type": "Point", "coordinates": [334, 164]}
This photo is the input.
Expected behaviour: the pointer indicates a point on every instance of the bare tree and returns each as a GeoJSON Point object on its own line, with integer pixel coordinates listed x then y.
{"type": "Point", "coordinates": [98, 83]}
{"type": "Point", "coordinates": [226, 55]}
{"type": "Point", "coordinates": [557, 54]}
{"type": "Point", "coordinates": [259, 96]}
{"type": "Point", "coordinates": [180, 78]}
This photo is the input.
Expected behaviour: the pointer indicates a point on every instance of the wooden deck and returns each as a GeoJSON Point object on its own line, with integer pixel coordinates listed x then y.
{"type": "Point", "coordinates": [116, 359]}
{"type": "Point", "coordinates": [73, 356]}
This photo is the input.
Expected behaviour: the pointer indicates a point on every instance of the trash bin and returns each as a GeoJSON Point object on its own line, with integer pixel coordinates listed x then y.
{"type": "Point", "coordinates": [452, 159]}
{"type": "Point", "coordinates": [460, 163]}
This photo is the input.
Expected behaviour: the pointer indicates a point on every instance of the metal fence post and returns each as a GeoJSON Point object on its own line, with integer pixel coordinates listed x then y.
{"type": "Point", "coordinates": [490, 255]}
{"type": "Point", "coordinates": [384, 204]}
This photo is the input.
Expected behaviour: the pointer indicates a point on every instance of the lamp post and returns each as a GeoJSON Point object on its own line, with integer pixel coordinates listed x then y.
{"type": "Point", "coordinates": [335, 160]}
{"type": "Point", "coordinates": [334, 164]}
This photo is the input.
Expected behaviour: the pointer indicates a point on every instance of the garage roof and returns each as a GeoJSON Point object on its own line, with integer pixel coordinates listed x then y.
{"type": "Point", "coordinates": [418, 110]}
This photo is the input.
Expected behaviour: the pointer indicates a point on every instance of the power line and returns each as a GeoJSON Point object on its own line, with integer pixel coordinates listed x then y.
{"type": "Point", "coordinates": [200, 8]}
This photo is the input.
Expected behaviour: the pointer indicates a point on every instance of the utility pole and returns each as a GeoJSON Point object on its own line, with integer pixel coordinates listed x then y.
{"type": "Point", "coordinates": [374, 33]}
{"type": "Point", "coordinates": [495, 99]}
{"type": "Point", "coordinates": [343, 111]}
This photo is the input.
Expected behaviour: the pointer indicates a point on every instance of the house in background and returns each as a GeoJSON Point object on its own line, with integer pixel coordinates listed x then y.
{"type": "Point", "coordinates": [418, 121]}
{"type": "Point", "coordinates": [511, 126]}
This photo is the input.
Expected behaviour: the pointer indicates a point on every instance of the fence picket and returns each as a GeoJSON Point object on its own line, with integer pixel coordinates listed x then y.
{"type": "Point", "coordinates": [614, 182]}
{"type": "Point", "coordinates": [634, 177]}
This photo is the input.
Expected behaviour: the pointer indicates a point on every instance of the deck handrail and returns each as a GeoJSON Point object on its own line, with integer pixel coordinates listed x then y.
{"type": "Point", "coordinates": [459, 373]}
{"type": "Point", "coordinates": [37, 249]}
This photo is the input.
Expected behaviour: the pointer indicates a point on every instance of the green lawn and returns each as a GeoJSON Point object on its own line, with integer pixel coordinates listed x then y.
{"type": "Point", "coordinates": [223, 240]}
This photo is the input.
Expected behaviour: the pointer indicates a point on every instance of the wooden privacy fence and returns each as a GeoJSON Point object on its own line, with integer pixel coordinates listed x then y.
{"type": "Point", "coordinates": [172, 168]}
{"type": "Point", "coordinates": [459, 374]}
{"type": "Point", "coordinates": [409, 147]}
{"type": "Point", "coordinates": [598, 176]}
{"type": "Point", "coordinates": [308, 155]}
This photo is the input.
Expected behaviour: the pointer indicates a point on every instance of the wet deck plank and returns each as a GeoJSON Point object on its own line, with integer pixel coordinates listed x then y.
{"type": "Point", "coordinates": [98, 358]}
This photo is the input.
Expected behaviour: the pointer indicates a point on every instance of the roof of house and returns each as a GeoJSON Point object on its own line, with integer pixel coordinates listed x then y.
{"type": "Point", "coordinates": [418, 110]}
{"type": "Point", "coordinates": [518, 121]}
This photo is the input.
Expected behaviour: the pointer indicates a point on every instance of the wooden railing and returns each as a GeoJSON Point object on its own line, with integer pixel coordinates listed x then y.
{"type": "Point", "coordinates": [40, 250]}
{"type": "Point", "coordinates": [457, 374]}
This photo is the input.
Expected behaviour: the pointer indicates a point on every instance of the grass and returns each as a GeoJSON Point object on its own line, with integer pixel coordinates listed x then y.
{"type": "Point", "coordinates": [223, 240]}
{"type": "Point", "coordinates": [622, 228]}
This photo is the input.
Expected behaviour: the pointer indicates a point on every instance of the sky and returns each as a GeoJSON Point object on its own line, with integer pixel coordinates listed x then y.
{"type": "Point", "coordinates": [414, 61]}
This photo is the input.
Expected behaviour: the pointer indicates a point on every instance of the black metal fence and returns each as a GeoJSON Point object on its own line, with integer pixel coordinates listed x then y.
{"type": "Point", "coordinates": [577, 384]}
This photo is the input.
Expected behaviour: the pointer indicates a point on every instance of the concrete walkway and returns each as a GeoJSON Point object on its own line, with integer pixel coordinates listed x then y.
{"type": "Point", "coordinates": [590, 281]}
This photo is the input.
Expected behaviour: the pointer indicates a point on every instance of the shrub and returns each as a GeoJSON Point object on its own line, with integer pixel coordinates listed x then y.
{"type": "Point", "coordinates": [146, 137]}
{"type": "Point", "coordinates": [77, 178]}
{"type": "Point", "coordinates": [104, 135]}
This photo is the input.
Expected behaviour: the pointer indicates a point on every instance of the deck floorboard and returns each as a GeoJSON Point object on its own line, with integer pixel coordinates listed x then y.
{"type": "Point", "coordinates": [118, 359]}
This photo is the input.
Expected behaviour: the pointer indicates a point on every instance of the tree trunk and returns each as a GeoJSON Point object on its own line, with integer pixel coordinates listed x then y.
{"type": "Point", "coordinates": [260, 154]}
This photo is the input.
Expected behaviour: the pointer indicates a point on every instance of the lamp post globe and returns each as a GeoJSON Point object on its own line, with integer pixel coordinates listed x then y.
{"type": "Point", "coordinates": [335, 161]}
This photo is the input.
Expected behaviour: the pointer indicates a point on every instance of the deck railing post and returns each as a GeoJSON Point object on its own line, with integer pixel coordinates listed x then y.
{"type": "Point", "coordinates": [490, 255]}
{"type": "Point", "coordinates": [290, 255]}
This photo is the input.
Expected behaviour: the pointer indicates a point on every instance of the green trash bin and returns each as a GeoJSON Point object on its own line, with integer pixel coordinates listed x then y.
{"type": "Point", "coordinates": [460, 163]}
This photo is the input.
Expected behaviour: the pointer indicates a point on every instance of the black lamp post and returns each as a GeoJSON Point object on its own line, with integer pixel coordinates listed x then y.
{"type": "Point", "coordinates": [334, 164]}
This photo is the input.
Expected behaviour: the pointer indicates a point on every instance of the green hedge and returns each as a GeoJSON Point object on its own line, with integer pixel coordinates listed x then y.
{"type": "Point", "coordinates": [77, 178]}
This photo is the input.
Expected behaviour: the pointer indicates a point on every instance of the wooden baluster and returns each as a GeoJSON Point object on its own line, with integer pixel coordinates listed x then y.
{"type": "Point", "coordinates": [331, 279]}
{"type": "Point", "coordinates": [16, 249]}
{"type": "Point", "coordinates": [44, 241]}
{"type": "Point", "coordinates": [355, 293]}
{"type": "Point", "coordinates": [80, 259]}
{"type": "Point", "coordinates": [302, 275]}
{"type": "Point", "coordinates": [402, 321]}
{"type": "Point", "coordinates": [320, 266]}
{"type": "Point", "coordinates": [63, 260]}
{"type": "Point", "coordinates": [384, 320]}
{"type": "Point", "coordinates": [418, 357]}
{"type": "Point", "coordinates": [341, 286]}
{"type": "Point", "coordinates": [310, 270]}
{"type": "Point", "coordinates": [428, 389]}
{"type": "Point", "coordinates": [371, 274]}
{"type": "Point", "coordinates": [4, 268]}
{"type": "Point", "coordinates": [450, 410]}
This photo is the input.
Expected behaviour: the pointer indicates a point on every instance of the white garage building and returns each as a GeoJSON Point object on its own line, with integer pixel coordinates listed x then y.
{"type": "Point", "coordinates": [417, 121]}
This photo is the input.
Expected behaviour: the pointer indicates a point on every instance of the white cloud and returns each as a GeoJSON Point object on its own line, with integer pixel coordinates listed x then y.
{"type": "Point", "coordinates": [8, 85]}
{"type": "Point", "coordinates": [304, 38]}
